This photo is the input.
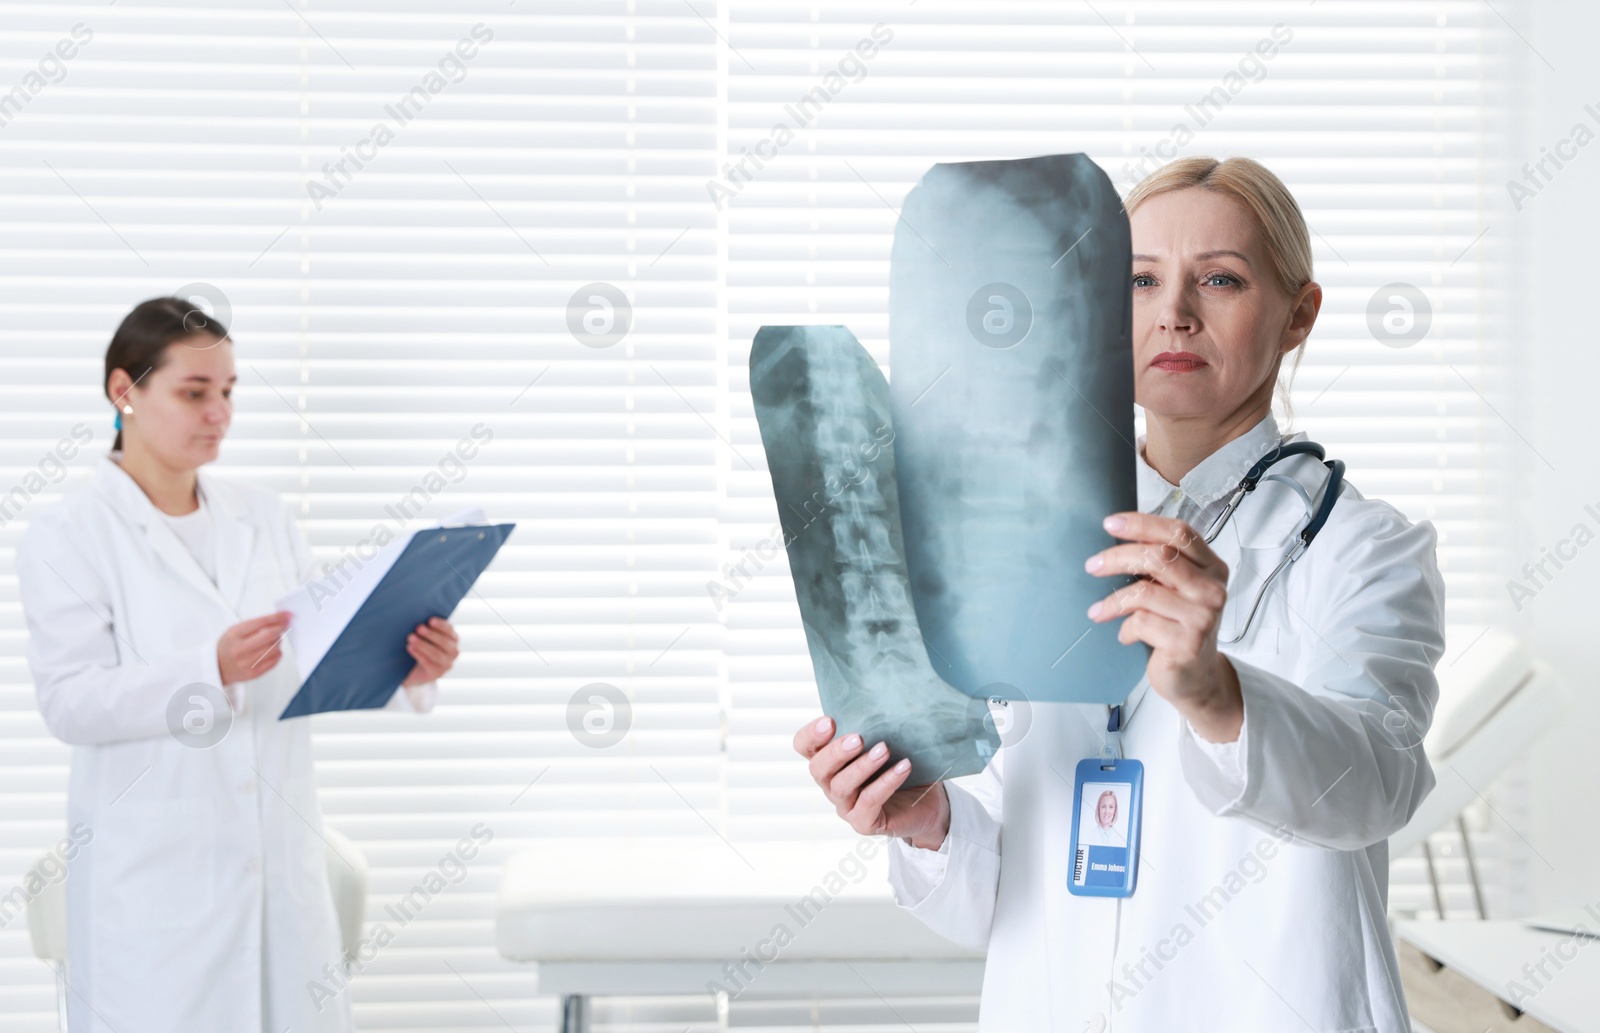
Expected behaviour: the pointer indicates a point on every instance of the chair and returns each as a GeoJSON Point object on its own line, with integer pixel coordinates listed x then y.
{"type": "Point", "coordinates": [47, 912]}
{"type": "Point", "coordinates": [47, 927]}
{"type": "Point", "coordinates": [1493, 705]}
{"type": "Point", "coordinates": [348, 878]}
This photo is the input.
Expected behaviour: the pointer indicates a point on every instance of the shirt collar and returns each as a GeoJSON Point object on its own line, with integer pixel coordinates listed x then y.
{"type": "Point", "coordinates": [1216, 474]}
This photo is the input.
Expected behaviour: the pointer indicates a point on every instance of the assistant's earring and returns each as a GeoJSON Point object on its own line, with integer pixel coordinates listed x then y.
{"type": "Point", "coordinates": [117, 423]}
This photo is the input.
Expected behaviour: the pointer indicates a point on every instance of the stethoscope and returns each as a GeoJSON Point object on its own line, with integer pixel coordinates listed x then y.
{"type": "Point", "coordinates": [1257, 474]}
{"type": "Point", "coordinates": [1120, 714]}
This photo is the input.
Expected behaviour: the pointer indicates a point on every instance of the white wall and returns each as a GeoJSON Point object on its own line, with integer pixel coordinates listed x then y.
{"type": "Point", "coordinates": [1557, 414]}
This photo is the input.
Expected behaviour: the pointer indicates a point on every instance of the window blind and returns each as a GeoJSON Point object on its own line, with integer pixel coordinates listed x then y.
{"type": "Point", "coordinates": [526, 225]}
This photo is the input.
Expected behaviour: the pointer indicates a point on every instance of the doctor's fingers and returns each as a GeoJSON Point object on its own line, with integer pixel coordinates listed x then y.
{"type": "Point", "coordinates": [1180, 644]}
{"type": "Point", "coordinates": [1171, 536]}
{"type": "Point", "coordinates": [870, 815]}
{"type": "Point", "coordinates": [257, 632]}
{"type": "Point", "coordinates": [252, 645]}
{"type": "Point", "coordinates": [1204, 613]}
{"type": "Point", "coordinates": [259, 665]}
{"type": "Point", "coordinates": [274, 622]}
{"type": "Point", "coordinates": [246, 664]}
{"type": "Point", "coordinates": [439, 629]}
{"type": "Point", "coordinates": [436, 657]}
{"type": "Point", "coordinates": [449, 644]}
{"type": "Point", "coordinates": [847, 782]}
{"type": "Point", "coordinates": [813, 736]}
{"type": "Point", "coordinates": [827, 761]}
{"type": "Point", "coordinates": [1162, 565]}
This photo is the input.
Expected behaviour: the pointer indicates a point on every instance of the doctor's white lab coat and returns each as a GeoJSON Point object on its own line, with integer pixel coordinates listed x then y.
{"type": "Point", "coordinates": [201, 904]}
{"type": "Point", "coordinates": [1263, 871]}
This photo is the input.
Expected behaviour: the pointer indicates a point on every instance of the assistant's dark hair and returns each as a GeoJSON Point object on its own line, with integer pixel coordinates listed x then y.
{"type": "Point", "coordinates": [140, 343]}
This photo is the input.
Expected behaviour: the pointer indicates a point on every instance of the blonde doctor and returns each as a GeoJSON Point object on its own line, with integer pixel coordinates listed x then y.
{"type": "Point", "coordinates": [201, 904]}
{"type": "Point", "coordinates": [1275, 767]}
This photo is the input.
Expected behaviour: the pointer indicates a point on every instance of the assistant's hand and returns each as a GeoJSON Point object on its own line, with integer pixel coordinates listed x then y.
{"type": "Point", "coordinates": [434, 646]}
{"type": "Point", "coordinates": [1176, 611]}
{"type": "Point", "coordinates": [880, 806]}
{"type": "Point", "coordinates": [251, 648]}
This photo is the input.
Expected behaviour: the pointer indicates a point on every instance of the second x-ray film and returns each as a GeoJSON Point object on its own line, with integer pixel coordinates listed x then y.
{"type": "Point", "coordinates": [823, 408]}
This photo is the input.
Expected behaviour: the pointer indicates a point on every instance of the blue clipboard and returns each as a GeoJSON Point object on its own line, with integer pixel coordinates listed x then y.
{"type": "Point", "coordinates": [368, 661]}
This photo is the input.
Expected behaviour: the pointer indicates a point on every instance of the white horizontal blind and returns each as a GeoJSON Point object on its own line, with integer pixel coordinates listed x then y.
{"type": "Point", "coordinates": [1385, 120]}
{"type": "Point", "coordinates": [503, 157]}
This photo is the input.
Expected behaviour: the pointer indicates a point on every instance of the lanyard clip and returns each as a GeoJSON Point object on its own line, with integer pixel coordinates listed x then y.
{"type": "Point", "coordinates": [1111, 750]}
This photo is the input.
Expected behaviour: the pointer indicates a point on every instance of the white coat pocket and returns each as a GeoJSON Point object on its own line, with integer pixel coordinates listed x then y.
{"type": "Point", "coordinates": [1248, 574]}
{"type": "Point", "coordinates": [1260, 644]}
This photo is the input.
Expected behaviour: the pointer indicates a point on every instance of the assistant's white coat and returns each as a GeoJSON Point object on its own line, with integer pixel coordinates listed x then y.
{"type": "Point", "coordinates": [1263, 875]}
{"type": "Point", "coordinates": [202, 902]}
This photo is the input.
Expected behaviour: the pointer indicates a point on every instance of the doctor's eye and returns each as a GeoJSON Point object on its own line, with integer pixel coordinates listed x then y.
{"type": "Point", "coordinates": [1232, 281]}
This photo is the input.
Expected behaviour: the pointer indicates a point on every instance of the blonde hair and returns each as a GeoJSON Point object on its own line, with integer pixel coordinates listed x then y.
{"type": "Point", "coordinates": [1114, 805]}
{"type": "Point", "coordinates": [1261, 193]}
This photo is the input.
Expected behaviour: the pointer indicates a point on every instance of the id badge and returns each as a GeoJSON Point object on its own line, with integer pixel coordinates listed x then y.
{"type": "Point", "coordinates": [1105, 827]}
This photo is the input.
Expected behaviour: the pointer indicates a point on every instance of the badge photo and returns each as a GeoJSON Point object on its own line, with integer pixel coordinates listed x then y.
{"type": "Point", "coordinates": [1105, 827]}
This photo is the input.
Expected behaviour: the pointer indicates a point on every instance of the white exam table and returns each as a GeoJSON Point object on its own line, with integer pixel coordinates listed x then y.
{"type": "Point", "coordinates": [621, 917]}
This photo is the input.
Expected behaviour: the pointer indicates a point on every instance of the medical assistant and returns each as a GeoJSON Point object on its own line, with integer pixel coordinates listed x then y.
{"type": "Point", "coordinates": [202, 901]}
{"type": "Point", "coordinates": [1263, 872]}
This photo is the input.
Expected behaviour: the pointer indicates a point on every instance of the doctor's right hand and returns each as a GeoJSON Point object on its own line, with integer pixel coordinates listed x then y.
{"type": "Point", "coordinates": [920, 814]}
{"type": "Point", "coordinates": [251, 648]}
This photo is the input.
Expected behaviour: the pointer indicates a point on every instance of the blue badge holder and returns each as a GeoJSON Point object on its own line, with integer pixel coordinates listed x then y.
{"type": "Point", "coordinates": [1101, 870]}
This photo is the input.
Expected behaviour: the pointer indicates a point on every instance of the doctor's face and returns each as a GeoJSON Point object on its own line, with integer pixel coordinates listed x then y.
{"type": "Point", "coordinates": [1210, 321]}
{"type": "Point", "coordinates": [182, 409]}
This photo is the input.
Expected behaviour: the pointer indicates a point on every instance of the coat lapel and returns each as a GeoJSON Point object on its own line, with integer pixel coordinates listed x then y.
{"type": "Point", "coordinates": [236, 541]}
{"type": "Point", "coordinates": [235, 535]}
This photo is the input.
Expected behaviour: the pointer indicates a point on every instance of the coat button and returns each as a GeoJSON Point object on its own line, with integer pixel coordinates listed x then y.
{"type": "Point", "coordinates": [252, 867]}
{"type": "Point", "coordinates": [1097, 1023]}
{"type": "Point", "coordinates": [247, 786]}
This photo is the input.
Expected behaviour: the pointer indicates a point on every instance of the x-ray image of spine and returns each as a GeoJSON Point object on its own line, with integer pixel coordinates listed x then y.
{"type": "Point", "coordinates": [823, 409]}
{"type": "Point", "coordinates": [1011, 384]}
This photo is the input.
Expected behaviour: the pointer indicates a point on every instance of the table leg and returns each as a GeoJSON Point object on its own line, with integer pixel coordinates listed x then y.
{"type": "Point", "coordinates": [1433, 877]}
{"type": "Point", "coordinates": [574, 1013]}
{"type": "Point", "coordinates": [1472, 866]}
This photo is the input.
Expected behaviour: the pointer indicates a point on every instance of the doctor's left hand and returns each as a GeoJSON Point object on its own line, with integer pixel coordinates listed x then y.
{"type": "Point", "coordinates": [434, 646]}
{"type": "Point", "coordinates": [1176, 610]}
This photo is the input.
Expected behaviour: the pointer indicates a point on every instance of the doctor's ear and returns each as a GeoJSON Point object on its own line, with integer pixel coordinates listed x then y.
{"type": "Point", "coordinates": [119, 389]}
{"type": "Point", "coordinates": [1303, 309]}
